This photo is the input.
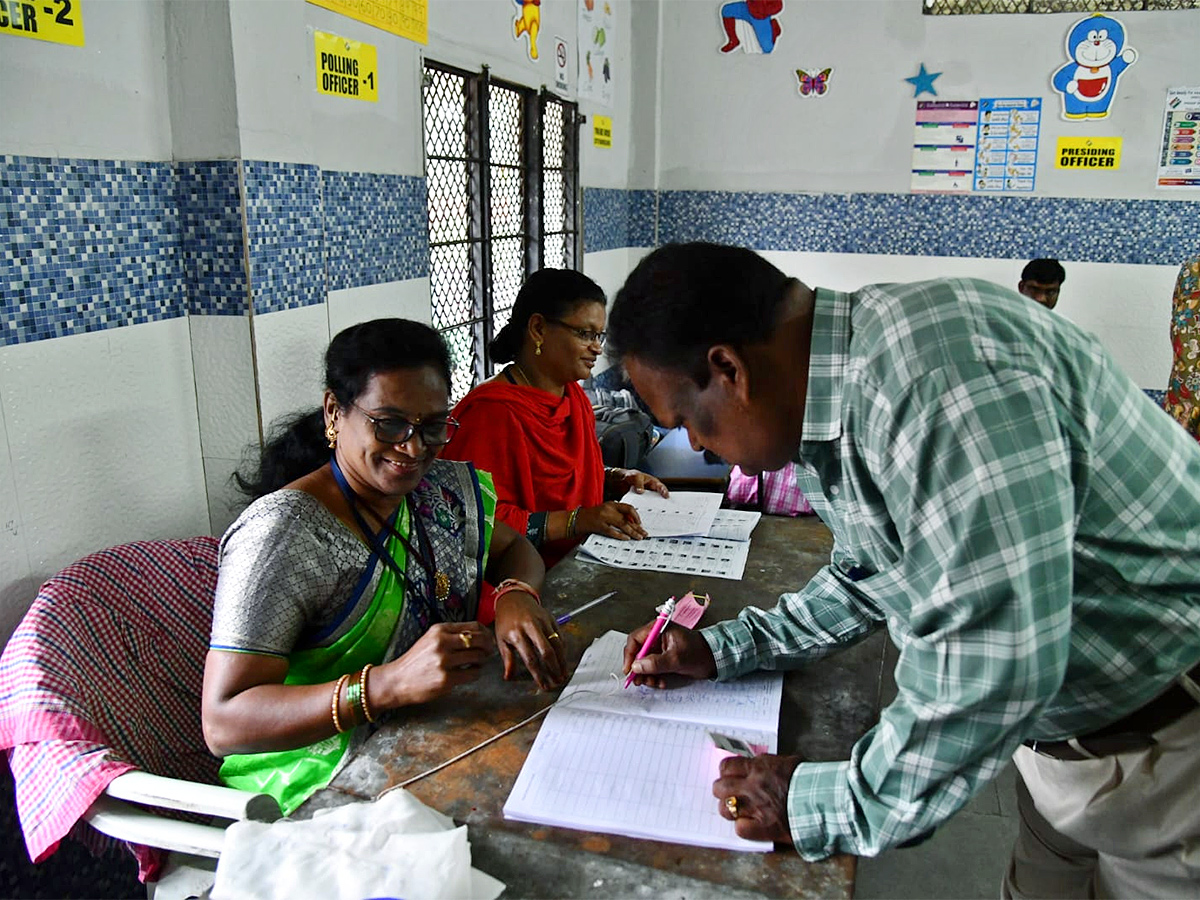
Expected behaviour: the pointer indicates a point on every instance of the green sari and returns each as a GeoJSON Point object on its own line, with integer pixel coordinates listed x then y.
{"type": "Point", "coordinates": [457, 505]}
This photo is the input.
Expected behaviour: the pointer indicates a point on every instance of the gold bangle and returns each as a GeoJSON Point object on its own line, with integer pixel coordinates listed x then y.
{"type": "Point", "coordinates": [571, 521]}
{"type": "Point", "coordinates": [337, 697]}
{"type": "Point", "coordinates": [362, 692]}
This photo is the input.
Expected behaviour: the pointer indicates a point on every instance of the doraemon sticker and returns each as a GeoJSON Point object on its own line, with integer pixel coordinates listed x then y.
{"type": "Point", "coordinates": [814, 83]}
{"type": "Point", "coordinates": [751, 25]}
{"type": "Point", "coordinates": [1098, 53]}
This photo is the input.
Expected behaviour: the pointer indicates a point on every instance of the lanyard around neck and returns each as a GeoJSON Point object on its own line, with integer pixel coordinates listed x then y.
{"type": "Point", "coordinates": [376, 539]}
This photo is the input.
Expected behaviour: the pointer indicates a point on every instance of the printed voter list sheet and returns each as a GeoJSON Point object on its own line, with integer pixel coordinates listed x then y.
{"type": "Point", "coordinates": [683, 513]}
{"type": "Point", "coordinates": [687, 555]}
{"type": "Point", "coordinates": [733, 524]}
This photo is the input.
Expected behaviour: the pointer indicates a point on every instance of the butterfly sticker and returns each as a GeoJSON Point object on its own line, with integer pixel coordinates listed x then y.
{"type": "Point", "coordinates": [813, 85]}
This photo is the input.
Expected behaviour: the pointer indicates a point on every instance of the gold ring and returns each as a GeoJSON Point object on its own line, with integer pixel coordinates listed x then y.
{"type": "Point", "coordinates": [554, 636]}
{"type": "Point", "coordinates": [731, 805]}
{"type": "Point", "coordinates": [465, 637]}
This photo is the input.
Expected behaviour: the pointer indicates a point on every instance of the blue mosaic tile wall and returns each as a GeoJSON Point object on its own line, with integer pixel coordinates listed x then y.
{"type": "Point", "coordinates": [376, 228]}
{"type": "Point", "coordinates": [606, 219]}
{"type": "Point", "coordinates": [1160, 232]}
{"type": "Point", "coordinates": [87, 245]}
{"type": "Point", "coordinates": [643, 218]}
{"type": "Point", "coordinates": [210, 215]}
{"type": "Point", "coordinates": [284, 233]}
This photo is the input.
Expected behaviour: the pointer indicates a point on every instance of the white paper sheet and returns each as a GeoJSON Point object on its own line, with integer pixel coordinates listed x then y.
{"type": "Point", "coordinates": [689, 556]}
{"type": "Point", "coordinates": [637, 769]}
{"type": "Point", "coordinates": [751, 702]}
{"type": "Point", "coordinates": [683, 513]}
{"type": "Point", "coordinates": [733, 525]}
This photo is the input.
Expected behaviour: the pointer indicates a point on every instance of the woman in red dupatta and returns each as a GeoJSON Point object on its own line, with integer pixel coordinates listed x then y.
{"type": "Point", "coordinates": [533, 428]}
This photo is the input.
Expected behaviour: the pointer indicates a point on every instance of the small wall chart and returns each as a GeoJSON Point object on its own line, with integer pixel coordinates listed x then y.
{"type": "Point", "coordinates": [944, 146]}
{"type": "Point", "coordinates": [1007, 144]}
{"type": "Point", "coordinates": [1179, 161]}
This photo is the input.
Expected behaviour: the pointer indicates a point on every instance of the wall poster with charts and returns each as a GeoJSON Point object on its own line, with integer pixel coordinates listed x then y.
{"type": "Point", "coordinates": [1007, 145]}
{"type": "Point", "coordinates": [1179, 161]}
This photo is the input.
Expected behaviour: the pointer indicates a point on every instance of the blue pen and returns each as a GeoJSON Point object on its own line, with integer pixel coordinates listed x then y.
{"type": "Point", "coordinates": [567, 617]}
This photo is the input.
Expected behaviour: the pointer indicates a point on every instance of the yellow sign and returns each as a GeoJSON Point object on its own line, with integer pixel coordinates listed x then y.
{"type": "Point", "coordinates": [1088, 153]}
{"type": "Point", "coordinates": [346, 68]}
{"type": "Point", "coordinates": [602, 131]}
{"type": "Point", "coordinates": [43, 20]}
{"type": "Point", "coordinates": [407, 18]}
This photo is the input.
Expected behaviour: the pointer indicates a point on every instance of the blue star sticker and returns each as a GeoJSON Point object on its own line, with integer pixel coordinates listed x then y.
{"type": "Point", "coordinates": [923, 82]}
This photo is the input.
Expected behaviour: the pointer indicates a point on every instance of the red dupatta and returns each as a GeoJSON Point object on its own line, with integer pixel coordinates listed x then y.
{"type": "Point", "coordinates": [541, 450]}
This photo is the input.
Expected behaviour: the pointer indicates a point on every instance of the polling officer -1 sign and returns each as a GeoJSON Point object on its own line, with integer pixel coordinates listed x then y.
{"type": "Point", "coordinates": [345, 68]}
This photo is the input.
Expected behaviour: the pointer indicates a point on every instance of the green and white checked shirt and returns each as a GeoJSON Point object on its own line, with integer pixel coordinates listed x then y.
{"type": "Point", "coordinates": [1024, 520]}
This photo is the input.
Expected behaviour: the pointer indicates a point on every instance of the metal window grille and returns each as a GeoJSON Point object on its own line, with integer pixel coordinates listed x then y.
{"type": "Point", "coordinates": [502, 180]}
{"type": "Point", "coordinates": [978, 7]}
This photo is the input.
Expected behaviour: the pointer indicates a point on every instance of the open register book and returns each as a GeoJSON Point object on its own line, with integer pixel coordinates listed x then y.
{"type": "Point", "coordinates": [640, 761]}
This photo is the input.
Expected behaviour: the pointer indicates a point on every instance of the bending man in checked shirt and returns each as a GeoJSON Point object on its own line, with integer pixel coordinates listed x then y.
{"type": "Point", "coordinates": [1007, 503]}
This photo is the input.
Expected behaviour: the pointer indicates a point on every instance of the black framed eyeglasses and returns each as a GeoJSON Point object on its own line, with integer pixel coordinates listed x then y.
{"type": "Point", "coordinates": [584, 334]}
{"type": "Point", "coordinates": [397, 430]}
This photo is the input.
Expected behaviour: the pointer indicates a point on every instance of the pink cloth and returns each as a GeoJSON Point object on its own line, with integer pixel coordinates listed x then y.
{"type": "Point", "coordinates": [783, 495]}
{"type": "Point", "coordinates": [104, 675]}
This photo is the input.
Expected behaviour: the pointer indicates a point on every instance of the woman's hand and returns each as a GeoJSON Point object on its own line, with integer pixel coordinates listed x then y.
{"type": "Point", "coordinates": [611, 519]}
{"type": "Point", "coordinates": [445, 656]}
{"type": "Point", "coordinates": [632, 480]}
{"type": "Point", "coordinates": [524, 629]}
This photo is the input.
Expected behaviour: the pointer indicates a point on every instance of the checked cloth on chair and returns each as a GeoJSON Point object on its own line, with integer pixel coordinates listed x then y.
{"type": "Point", "coordinates": [103, 676]}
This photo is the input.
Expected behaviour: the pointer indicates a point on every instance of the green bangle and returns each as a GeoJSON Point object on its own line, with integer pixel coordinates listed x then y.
{"type": "Point", "coordinates": [354, 699]}
{"type": "Point", "coordinates": [571, 521]}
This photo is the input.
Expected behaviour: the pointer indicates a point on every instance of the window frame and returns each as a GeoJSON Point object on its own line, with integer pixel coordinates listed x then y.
{"type": "Point", "coordinates": [532, 103]}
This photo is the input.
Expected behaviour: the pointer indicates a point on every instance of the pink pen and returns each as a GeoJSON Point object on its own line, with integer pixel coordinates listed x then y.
{"type": "Point", "coordinates": [660, 623]}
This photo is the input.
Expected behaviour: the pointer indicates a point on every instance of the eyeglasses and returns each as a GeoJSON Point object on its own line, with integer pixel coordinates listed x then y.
{"type": "Point", "coordinates": [584, 334]}
{"type": "Point", "coordinates": [395, 430]}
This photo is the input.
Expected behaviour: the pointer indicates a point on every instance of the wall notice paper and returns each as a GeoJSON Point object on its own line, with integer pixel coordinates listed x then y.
{"type": "Point", "coordinates": [602, 131]}
{"type": "Point", "coordinates": [407, 18]}
{"type": "Point", "coordinates": [57, 21]}
{"type": "Point", "coordinates": [1089, 153]}
{"type": "Point", "coordinates": [640, 761]}
{"type": "Point", "coordinates": [944, 146]}
{"type": "Point", "coordinates": [683, 513]}
{"type": "Point", "coordinates": [721, 554]}
{"type": "Point", "coordinates": [1179, 162]}
{"type": "Point", "coordinates": [1007, 143]}
{"type": "Point", "coordinates": [596, 42]}
{"type": "Point", "coordinates": [345, 68]}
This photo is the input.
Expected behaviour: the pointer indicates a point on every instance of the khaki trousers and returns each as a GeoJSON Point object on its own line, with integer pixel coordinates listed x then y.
{"type": "Point", "coordinates": [1124, 826]}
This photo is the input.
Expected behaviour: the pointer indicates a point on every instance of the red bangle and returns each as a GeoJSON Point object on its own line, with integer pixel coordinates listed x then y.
{"type": "Point", "coordinates": [513, 584]}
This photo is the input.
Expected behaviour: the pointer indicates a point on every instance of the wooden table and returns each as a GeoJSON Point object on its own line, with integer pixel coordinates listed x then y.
{"type": "Point", "coordinates": [826, 707]}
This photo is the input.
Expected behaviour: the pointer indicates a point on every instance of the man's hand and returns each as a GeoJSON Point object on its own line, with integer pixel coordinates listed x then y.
{"type": "Point", "coordinates": [678, 651]}
{"type": "Point", "coordinates": [759, 788]}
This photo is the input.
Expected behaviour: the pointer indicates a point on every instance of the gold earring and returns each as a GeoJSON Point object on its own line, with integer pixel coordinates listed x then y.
{"type": "Point", "coordinates": [537, 351]}
{"type": "Point", "coordinates": [331, 435]}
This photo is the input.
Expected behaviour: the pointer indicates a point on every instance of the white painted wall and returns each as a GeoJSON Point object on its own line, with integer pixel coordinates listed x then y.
{"type": "Point", "coordinates": [99, 440]}
{"type": "Point", "coordinates": [102, 446]}
{"type": "Point", "coordinates": [106, 100]}
{"type": "Point", "coordinates": [1127, 307]}
{"type": "Point", "coordinates": [737, 121]}
{"type": "Point", "coordinates": [281, 117]}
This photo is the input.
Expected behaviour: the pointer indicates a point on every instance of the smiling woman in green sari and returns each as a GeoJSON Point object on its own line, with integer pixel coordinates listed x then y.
{"type": "Point", "coordinates": [352, 585]}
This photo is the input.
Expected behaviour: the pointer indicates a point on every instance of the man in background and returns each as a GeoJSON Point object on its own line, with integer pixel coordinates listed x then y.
{"type": "Point", "coordinates": [1041, 280]}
